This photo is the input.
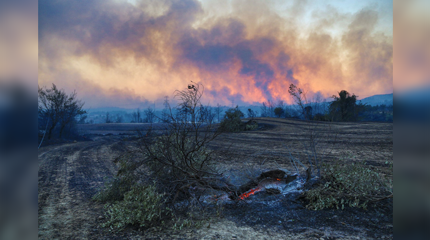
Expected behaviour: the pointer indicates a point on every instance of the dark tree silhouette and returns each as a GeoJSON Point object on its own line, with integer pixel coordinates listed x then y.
{"type": "Point", "coordinates": [345, 107]}
{"type": "Point", "coordinates": [308, 112]}
{"type": "Point", "coordinates": [58, 109]}
{"type": "Point", "coordinates": [107, 118]}
{"type": "Point", "coordinates": [218, 111]}
{"type": "Point", "coordinates": [251, 113]}
{"type": "Point", "coordinates": [300, 98]}
{"type": "Point", "coordinates": [231, 121]}
{"type": "Point", "coordinates": [264, 110]}
{"type": "Point", "coordinates": [149, 115]}
{"type": "Point", "coordinates": [279, 111]}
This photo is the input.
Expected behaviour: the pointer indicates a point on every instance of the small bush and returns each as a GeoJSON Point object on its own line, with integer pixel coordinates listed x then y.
{"type": "Point", "coordinates": [251, 125]}
{"type": "Point", "coordinates": [321, 117]}
{"type": "Point", "coordinates": [142, 206]}
{"type": "Point", "coordinates": [173, 149]}
{"type": "Point", "coordinates": [113, 190]}
{"type": "Point", "coordinates": [353, 185]}
{"type": "Point", "coordinates": [232, 121]}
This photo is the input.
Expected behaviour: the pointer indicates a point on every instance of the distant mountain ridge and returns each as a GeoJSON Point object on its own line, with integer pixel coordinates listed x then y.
{"type": "Point", "coordinates": [380, 99]}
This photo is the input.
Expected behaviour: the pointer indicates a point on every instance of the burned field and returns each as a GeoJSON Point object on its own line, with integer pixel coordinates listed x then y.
{"type": "Point", "coordinates": [71, 174]}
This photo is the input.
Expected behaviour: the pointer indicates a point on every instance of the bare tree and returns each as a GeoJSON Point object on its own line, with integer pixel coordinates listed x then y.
{"type": "Point", "coordinates": [264, 110]}
{"type": "Point", "coordinates": [205, 114]}
{"type": "Point", "coordinates": [316, 134]}
{"type": "Point", "coordinates": [72, 109]}
{"type": "Point", "coordinates": [138, 116]}
{"type": "Point", "coordinates": [165, 112]}
{"type": "Point", "coordinates": [149, 115]}
{"type": "Point", "coordinates": [218, 111]}
{"type": "Point", "coordinates": [119, 118]}
{"type": "Point", "coordinates": [58, 107]}
{"type": "Point", "coordinates": [107, 118]}
{"type": "Point", "coordinates": [299, 98]}
{"type": "Point", "coordinates": [251, 113]}
{"type": "Point", "coordinates": [271, 107]}
{"type": "Point", "coordinates": [178, 157]}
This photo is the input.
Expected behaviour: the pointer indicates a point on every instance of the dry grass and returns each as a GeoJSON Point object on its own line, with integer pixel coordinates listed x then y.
{"type": "Point", "coordinates": [70, 174]}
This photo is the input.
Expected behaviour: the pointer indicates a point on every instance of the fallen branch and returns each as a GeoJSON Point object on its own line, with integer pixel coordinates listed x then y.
{"type": "Point", "coordinates": [383, 198]}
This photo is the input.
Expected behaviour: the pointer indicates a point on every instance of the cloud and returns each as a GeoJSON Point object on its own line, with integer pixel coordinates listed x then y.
{"type": "Point", "coordinates": [250, 54]}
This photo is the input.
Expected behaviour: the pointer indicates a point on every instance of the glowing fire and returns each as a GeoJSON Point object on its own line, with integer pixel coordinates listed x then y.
{"type": "Point", "coordinates": [249, 193]}
{"type": "Point", "coordinates": [253, 191]}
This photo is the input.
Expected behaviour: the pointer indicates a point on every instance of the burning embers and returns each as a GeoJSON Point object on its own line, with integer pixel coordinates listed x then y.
{"type": "Point", "coordinates": [267, 180]}
{"type": "Point", "coordinates": [261, 186]}
{"type": "Point", "coordinates": [249, 193]}
{"type": "Point", "coordinates": [271, 182]}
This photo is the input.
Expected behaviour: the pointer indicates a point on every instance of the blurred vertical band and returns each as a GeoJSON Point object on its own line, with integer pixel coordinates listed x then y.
{"type": "Point", "coordinates": [411, 119]}
{"type": "Point", "coordinates": [18, 119]}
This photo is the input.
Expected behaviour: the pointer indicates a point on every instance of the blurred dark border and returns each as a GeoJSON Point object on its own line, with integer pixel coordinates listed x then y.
{"type": "Point", "coordinates": [412, 164]}
{"type": "Point", "coordinates": [18, 121]}
{"type": "Point", "coordinates": [411, 119]}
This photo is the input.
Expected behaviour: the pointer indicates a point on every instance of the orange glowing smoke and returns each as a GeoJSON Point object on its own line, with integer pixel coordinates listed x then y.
{"type": "Point", "coordinates": [249, 193]}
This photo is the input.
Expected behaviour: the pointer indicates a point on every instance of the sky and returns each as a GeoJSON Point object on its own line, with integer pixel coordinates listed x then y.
{"type": "Point", "coordinates": [131, 53]}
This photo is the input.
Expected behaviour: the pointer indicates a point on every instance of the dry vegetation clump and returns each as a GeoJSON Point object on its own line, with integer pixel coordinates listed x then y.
{"type": "Point", "coordinates": [251, 125]}
{"type": "Point", "coordinates": [142, 206]}
{"type": "Point", "coordinates": [116, 188]}
{"type": "Point", "coordinates": [353, 185]}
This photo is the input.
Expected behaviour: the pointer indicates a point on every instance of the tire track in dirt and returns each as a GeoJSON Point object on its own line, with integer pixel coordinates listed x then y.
{"type": "Point", "coordinates": [69, 176]}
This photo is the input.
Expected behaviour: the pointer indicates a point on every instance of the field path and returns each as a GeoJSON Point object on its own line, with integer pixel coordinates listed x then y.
{"type": "Point", "coordinates": [69, 175]}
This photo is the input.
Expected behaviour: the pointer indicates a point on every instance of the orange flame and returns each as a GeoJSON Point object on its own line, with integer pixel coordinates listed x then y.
{"type": "Point", "coordinates": [249, 193]}
{"type": "Point", "coordinates": [278, 179]}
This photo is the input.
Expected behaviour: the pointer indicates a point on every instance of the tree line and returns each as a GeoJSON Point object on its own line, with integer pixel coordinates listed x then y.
{"type": "Point", "coordinates": [344, 107]}
{"type": "Point", "coordinates": [59, 112]}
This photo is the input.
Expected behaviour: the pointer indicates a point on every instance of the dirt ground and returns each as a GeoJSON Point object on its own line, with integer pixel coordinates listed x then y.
{"type": "Point", "coordinates": [71, 173]}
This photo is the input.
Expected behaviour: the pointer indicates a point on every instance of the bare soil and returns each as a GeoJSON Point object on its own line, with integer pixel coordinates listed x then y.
{"type": "Point", "coordinates": [71, 173]}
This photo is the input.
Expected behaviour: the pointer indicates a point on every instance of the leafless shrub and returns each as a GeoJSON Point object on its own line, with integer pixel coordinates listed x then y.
{"type": "Point", "coordinates": [177, 156]}
{"type": "Point", "coordinates": [58, 110]}
{"type": "Point", "coordinates": [315, 151]}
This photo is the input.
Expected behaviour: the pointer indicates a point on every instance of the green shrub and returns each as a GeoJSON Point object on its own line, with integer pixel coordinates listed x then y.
{"type": "Point", "coordinates": [353, 185]}
{"type": "Point", "coordinates": [113, 190]}
{"type": "Point", "coordinates": [251, 125]}
{"type": "Point", "coordinates": [142, 206]}
{"type": "Point", "coordinates": [232, 120]}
